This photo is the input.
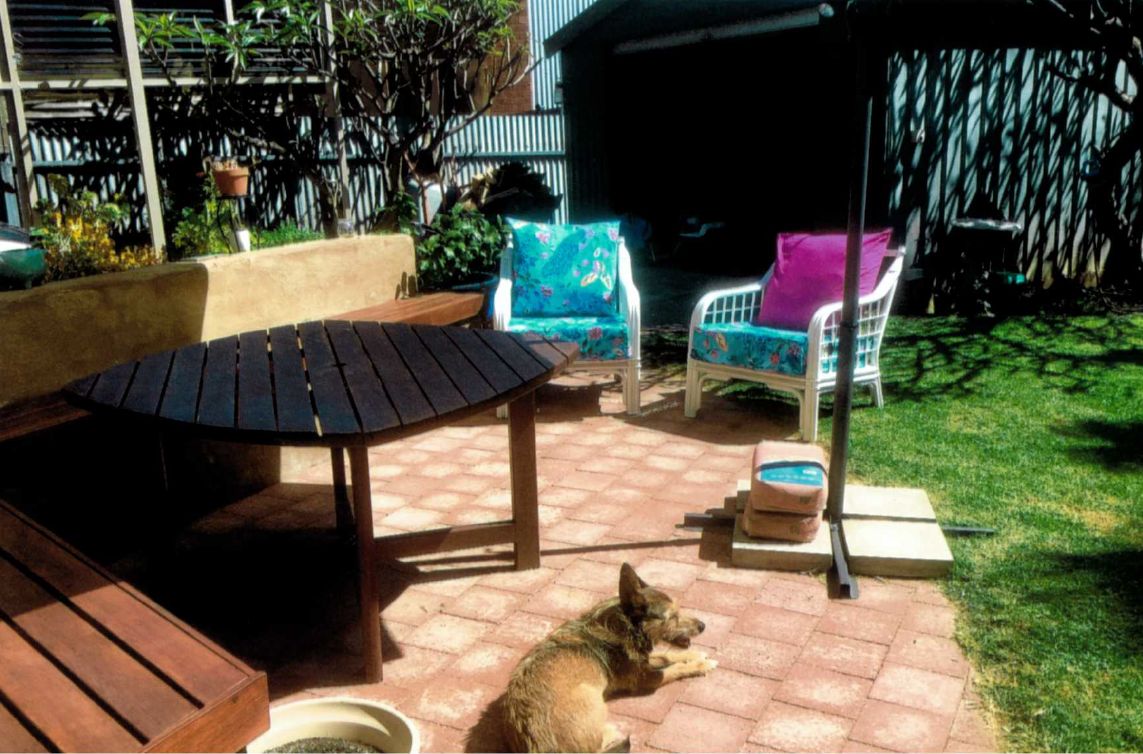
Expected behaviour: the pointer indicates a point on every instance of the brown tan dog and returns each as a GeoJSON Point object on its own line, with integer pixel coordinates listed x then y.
{"type": "Point", "coordinates": [555, 699]}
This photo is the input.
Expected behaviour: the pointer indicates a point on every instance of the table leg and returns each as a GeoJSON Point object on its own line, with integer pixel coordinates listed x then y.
{"type": "Point", "coordinates": [366, 563]}
{"type": "Point", "coordinates": [525, 499]}
{"type": "Point", "coordinates": [341, 506]}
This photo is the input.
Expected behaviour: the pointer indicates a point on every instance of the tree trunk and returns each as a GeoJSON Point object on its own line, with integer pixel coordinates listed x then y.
{"type": "Point", "coordinates": [1123, 265]}
{"type": "Point", "coordinates": [395, 173]}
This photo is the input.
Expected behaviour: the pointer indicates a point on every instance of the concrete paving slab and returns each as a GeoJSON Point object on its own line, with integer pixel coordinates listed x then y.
{"type": "Point", "coordinates": [911, 549]}
{"type": "Point", "coordinates": [887, 502]}
{"type": "Point", "coordinates": [749, 552]}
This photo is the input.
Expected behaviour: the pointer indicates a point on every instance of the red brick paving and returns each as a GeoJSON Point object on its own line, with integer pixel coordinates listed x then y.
{"type": "Point", "coordinates": [797, 672]}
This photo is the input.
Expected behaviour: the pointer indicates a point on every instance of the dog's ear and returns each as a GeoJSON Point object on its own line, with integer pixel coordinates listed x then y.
{"type": "Point", "coordinates": [630, 590]}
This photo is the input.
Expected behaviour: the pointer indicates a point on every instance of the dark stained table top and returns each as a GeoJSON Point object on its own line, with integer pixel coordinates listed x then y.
{"type": "Point", "coordinates": [332, 383]}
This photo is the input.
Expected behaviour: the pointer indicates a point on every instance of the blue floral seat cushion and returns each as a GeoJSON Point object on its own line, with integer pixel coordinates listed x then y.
{"type": "Point", "coordinates": [564, 270]}
{"type": "Point", "coordinates": [742, 344]}
{"type": "Point", "coordinates": [599, 338]}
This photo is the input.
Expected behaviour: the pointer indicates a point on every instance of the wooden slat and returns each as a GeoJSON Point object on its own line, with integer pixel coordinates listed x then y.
{"type": "Point", "coordinates": [181, 398]}
{"type": "Point", "coordinates": [202, 673]}
{"type": "Point", "coordinates": [15, 737]}
{"type": "Point", "coordinates": [467, 379]}
{"type": "Point", "coordinates": [373, 407]}
{"type": "Point", "coordinates": [498, 374]}
{"type": "Point", "coordinates": [63, 713]}
{"type": "Point", "coordinates": [147, 388]}
{"type": "Point", "coordinates": [216, 407]}
{"type": "Point", "coordinates": [437, 387]}
{"type": "Point", "coordinates": [255, 393]}
{"type": "Point", "coordinates": [291, 390]}
{"type": "Point", "coordinates": [540, 348]}
{"type": "Point", "coordinates": [333, 408]}
{"type": "Point", "coordinates": [569, 351]}
{"type": "Point", "coordinates": [114, 676]}
{"type": "Point", "coordinates": [82, 387]}
{"type": "Point", "coordinates": [228, 724]}
{"type": "Point", "coordinates": [408, 399]}
{"type": "Point", "coordinates": [520, 359]}
{"type": "Point", "coordinates": [112, 384]}
{"type": "Point", "coordinates": [28, 417]}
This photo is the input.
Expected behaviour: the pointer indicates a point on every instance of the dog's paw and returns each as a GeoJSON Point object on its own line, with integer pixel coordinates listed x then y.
{"type": "Point", "coordinates": [707, 664]}
{"type": "Point", "coordinates": [695, 668]}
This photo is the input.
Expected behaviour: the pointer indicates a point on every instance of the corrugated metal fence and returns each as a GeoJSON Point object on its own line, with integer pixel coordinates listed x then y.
{"type": "Point", "coordinates": [103, 159]}
{"type": "Point", "coordinates": [546, 17]}
{"type": "Point", "coordinates": [1002, 127]}
{"type": "Point", "coordinates": [101, 156]}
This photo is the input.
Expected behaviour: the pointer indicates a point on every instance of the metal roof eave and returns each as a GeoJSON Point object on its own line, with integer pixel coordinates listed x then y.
{"type": "Point", "coordinates": [728, 13]}
{"type": "Point", "coordinates": [915, 23]}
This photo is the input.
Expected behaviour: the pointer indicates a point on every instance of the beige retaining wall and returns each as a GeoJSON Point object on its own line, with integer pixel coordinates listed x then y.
{"type": "Point", "coordinates": [63, 331]}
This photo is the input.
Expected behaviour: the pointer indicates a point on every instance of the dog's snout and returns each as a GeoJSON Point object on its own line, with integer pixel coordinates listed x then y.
{"type": "Point", "coordinates": [701, 626]}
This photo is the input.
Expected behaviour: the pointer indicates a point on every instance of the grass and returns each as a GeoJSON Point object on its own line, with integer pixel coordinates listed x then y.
{"type": "Point", "coordinates": [1032, 426]}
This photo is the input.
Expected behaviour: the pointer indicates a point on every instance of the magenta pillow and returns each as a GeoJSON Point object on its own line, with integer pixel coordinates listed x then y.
{"type": "Point", "coordinates": [809, 272]}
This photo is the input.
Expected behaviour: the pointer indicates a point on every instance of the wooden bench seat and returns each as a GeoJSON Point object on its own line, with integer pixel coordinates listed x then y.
{"type": "Point", "coordinates": [442, 308]}
{"type": "Point", "coordinates": [89, 664]}
{"type": "Point", "coordinates": [31, 416]}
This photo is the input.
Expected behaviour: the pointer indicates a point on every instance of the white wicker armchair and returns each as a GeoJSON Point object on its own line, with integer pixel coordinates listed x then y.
{"type": "Point", "coordinates": [741, 304]}
{"type": "Point", "coordinates": [627, 308]}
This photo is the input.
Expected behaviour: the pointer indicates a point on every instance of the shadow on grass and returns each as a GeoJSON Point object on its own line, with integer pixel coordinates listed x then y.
{"type": "Point", "coordinates": [952, 357]}
{"type": "Point", "coordinates": [1113, 445]}
{"type": "Point", "coordinates": [1115, 575]}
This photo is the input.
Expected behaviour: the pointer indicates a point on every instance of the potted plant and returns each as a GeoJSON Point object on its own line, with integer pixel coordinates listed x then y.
{"type": "Point", "coordinates": [231, 178]}
{"type": "Point", "coordinates": [460, 250]}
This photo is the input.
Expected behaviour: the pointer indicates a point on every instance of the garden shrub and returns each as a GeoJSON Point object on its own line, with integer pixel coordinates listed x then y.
{"type": "Point", "coordinates": [206, 229]}
{"type": "Point", "coordinates": [460, 245]}
{"type": "Point", "coordinates": [284, 234]}
{"type": "Point", "coordinates": [75, 233]}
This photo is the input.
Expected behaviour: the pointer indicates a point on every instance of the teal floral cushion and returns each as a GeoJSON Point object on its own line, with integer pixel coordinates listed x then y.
{"type": "Point", "coordinates": [599, 338]}
{"type": "Point", "coordinates": [742, 344]}
{"type": "Point", "coordinates": [564, 270]}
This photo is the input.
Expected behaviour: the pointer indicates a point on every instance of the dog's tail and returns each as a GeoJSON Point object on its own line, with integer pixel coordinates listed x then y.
{"type": "Point", "coordinates": [622, 745]}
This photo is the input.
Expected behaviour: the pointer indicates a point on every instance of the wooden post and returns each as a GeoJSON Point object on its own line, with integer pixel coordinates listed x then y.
{"type": "Point", "coordinates": [341, 507]}
{"type": "Point", "coordinates": [525, 498]}
{"type": "Point", "coordinates": [366, 563]}
{"type": "Point", "coordinates": [18, 122]}
{"type": "Point", "coordinates": [125, 15]}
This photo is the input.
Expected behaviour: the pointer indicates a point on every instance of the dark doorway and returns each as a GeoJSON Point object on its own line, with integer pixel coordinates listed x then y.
{"type": "Point", "coordinates": [749, 133]}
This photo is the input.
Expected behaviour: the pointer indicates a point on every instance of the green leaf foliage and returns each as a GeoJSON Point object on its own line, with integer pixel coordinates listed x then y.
{"type": "Point", "coordinates": [459, 245]}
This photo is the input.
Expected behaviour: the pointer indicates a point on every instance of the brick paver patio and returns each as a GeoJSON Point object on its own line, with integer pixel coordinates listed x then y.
{"type": "Point", "coordinates": [797, 671]}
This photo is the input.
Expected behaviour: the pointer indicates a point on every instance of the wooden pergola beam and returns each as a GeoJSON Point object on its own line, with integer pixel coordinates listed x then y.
{"type": "Point", "coordinates": [17, 120]}
{"type": "Point", "coordinates": [125, 13]}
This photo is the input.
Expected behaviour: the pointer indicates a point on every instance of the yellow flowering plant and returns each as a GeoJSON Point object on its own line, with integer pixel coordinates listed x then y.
{"type": "Point", "coordinates": [75, 233]}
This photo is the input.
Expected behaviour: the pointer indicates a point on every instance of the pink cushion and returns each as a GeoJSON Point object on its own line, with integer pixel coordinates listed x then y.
{"type": "Point", "coordinates": [809, 272]}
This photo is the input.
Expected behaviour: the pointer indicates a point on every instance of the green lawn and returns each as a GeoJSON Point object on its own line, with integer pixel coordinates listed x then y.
{"type": "Point", "coordinates": [1033, 426]}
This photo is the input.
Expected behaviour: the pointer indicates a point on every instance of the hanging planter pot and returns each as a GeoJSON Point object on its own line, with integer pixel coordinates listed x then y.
{"type": "Point", "coordinates": [231, 181]}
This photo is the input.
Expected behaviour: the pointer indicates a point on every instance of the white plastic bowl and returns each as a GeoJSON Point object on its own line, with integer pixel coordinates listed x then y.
{"type": "Point", "coordinates": [370, 723]}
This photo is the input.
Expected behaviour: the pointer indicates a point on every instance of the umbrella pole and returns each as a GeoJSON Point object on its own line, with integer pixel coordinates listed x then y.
{"type": "Point", "coordinates": [841, 582]}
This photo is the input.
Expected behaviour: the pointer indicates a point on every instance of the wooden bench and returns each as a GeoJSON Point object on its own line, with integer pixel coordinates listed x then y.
{"type": "Point", "coordinates": [89, 664]}
{"type": "Point", "coordinates": [443, 308]}
{"type": "Point", "coordinates": [31, 416]}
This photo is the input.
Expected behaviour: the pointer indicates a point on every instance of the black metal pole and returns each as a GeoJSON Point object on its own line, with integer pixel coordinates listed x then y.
{"type": "Point", "coordinates": [841, 581]}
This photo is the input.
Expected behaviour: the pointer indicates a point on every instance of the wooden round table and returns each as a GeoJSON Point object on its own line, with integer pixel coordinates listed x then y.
{"type": "Point", "coordinates": [350, 385]}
